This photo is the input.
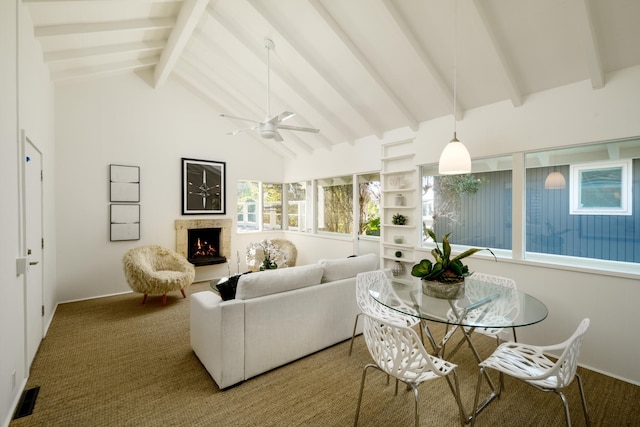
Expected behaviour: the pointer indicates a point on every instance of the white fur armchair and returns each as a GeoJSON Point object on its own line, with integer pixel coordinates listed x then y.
{"type": "Point", "coordinates": [156, 270]}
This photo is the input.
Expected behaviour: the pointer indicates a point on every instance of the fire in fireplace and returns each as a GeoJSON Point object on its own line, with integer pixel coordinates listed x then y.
{"type": "Point", "coordinates": [204, 246]}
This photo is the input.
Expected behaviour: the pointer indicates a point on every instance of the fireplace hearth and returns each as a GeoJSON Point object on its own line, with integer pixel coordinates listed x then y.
{"type": "Point", "coordinates": [204, 246]}
{"type": "Point", "coordinates": [214, 244]}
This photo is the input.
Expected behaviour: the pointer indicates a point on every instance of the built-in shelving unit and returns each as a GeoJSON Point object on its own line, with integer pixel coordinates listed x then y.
{"type": "Point", "coordinates": [400, 195]}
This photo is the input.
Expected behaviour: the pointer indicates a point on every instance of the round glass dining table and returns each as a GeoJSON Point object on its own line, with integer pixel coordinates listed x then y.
{"type": "Point", "coordinates": [487, 303]}
{"type": "Point", "coordinates": [483, 305]}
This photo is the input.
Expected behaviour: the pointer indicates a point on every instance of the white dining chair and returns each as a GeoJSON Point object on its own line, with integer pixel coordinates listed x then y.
{"type": "Point", "coordinates": [529, 364]}
{"type": "Point", "coordinates": [398, 351]}
{"type": "Point", "coordinates": [499, 312]}
{"type": "Point", "coordinates": [370, 306]}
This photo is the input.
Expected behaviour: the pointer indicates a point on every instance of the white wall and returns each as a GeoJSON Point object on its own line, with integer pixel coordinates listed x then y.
{"type": "Point", "coordinates": [11, 314]}
{"type": "Point", "coordinates": [569, 115]}
{"type": "Point", "coordinates": [26, 102]}
{"type": "Point", "coordinates": [123, 120]}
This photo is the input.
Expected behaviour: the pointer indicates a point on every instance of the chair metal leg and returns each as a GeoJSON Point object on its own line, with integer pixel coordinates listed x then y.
{"type": "Point", "coordinates": [415, 396]}
{"type": "Point", "coordinates": [353, 335]}
{"type": "Point", "coordinates": [566, 406]}
{"type": "Point", "coordinates": [364, 376]}
{"type": "Point", "coordinates": [584, 401]}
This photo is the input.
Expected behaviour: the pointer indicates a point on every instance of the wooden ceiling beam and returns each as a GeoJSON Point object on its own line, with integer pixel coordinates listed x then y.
{"type": "Point", "coordinates": [594, 63]}
{"type": "Point", "coordinates": [308, 57]}
{"type": "Point", "coordinates": [190, 14]}
{"type": "Point", "coordinates": [70, 54]}
{"type": "Point", "coordinates": [364, 62]}
{"type": "Point", "coordinates": [97, 27]}
{"type": "Point", "coordinates": [508, 76]}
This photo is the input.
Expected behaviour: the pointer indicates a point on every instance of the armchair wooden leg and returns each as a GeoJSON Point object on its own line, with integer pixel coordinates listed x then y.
{"type": "Point", "coordinates": [164, 299]}
{"type": "Point", "coordinates": [183, 294]}
{"type": "Point", "coordinates": [144, 299]}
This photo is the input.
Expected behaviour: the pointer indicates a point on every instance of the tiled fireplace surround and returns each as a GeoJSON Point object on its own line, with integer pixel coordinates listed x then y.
{"type": "Point", "coordinates": [182, 234]}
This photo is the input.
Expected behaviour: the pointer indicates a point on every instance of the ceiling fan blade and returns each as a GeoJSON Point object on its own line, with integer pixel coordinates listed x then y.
{"type": "Point", "coordinates": [238, 118]}
{"type": "Point", "coordinates": [237, 131]}
{"type": "Point", "coordinates": [280, 117]}
{"type": "Point", "coordinates": [278, 137]}
{"type": "Point", "coordinates": [287, 127]}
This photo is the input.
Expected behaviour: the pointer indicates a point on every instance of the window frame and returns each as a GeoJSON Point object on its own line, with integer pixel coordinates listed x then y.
{"type": "Point", "coordinates": [626, 193]}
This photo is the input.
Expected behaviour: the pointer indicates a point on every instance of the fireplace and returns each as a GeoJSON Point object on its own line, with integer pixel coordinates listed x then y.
{"type": "Point", "coordinates": [204, 241]}
{"type": "Point", "coordinates": [204, 246]}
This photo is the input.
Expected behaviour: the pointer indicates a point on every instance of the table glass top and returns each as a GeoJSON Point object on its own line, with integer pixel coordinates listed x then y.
{"type": "Point", "coordinates": [484, 304]}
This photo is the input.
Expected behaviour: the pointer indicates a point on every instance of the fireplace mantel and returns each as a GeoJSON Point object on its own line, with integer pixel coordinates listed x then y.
{"type": "Point", "coordinates": [184, 225]}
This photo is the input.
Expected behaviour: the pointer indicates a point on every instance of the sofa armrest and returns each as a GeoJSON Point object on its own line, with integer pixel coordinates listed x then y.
{"type": "Point", "coordinates": [217, 336]}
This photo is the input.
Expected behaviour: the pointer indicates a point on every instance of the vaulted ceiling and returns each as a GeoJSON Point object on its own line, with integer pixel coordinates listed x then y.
{"type": "Point", "coordinates": [351, 68]}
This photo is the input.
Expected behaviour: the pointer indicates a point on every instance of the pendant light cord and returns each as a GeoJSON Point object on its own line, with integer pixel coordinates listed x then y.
{"type": "Point", "coordinates": [455, 66]}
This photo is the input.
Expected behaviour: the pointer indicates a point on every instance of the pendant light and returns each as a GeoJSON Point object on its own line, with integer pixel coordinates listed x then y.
{"type": "Point", "coordinates": [555, 181]}
{"type": "Point", "coordinates": [455, 158]}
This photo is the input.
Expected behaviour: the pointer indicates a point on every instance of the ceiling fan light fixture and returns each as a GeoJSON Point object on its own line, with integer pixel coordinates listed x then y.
{"type": "Point", "coordinates": [268, 130]}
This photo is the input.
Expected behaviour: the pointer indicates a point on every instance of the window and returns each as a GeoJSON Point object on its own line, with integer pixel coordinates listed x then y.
{"type": "Point", "coordinates": [475, 208]}
{"type": "Point", "coordinates": [248, 196]}
{"type": "Point", "coordinates": [272, 206]}
{"type": "Point", "coordinates": [602, 188]}
{"type": "Point", "coordinates": [335, 204]}
{"type": "Point", "coordinates": [299, 206]}
{"type": "Point", "coordinates": [369, 204]}
{"type": "Point", "coordinates": [584, 218]}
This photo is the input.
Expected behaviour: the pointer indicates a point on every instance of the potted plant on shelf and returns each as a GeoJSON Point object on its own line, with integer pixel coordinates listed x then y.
{"type": "Point", "coordinates": [444, 278]}
{"type": "Point", "coordinates": [399, 219]}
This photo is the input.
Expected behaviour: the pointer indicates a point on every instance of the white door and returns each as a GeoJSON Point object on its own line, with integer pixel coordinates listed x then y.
{"type": "Point", "coordinates": [33, 239]}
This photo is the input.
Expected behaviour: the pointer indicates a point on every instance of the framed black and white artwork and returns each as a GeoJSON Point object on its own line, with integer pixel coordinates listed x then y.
{"type": "Point", "coordinates": [124, 183]}
{"type": "Point", "coordinates": [203, 187]}
{"type": "Point", "coordinates": [125, 222]}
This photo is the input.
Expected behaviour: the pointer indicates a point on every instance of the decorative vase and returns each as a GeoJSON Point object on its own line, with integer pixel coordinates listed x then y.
{"type": "Point", "coordinates": [443, 290]}
{"type": "Point", "coordinates": [397, 269]}
{"type": "Point", "coordinates": [398, 254]}
{"type": "Point", "coordinates": [398, 239]}
{"type": "Point", "coordinates": [399, 200]}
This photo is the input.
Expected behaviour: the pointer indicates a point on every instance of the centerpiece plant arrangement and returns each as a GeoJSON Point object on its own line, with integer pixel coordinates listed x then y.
{"type": "Point", "coordinates": [444, 276]}
{"type": "Point", "coordinates": [264, 255]}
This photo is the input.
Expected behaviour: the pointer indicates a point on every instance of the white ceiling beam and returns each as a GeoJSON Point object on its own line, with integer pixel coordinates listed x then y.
{"type": "Point", "coordinates": [359, 56]}
{"type": "Point", "coordinates": [594, 63]}
{"type": "Point", "coordinates": [96, 27]}
{"type": "Point", "coordinates": [305, 94]}
{"type": "Point", "coordinates": [508, 76]}
{"type": "Point", "coordinates": [94, 71]}
{"type": "Point", "coordinates": [403, 26]}
{"type": "Point", "coordinates": [96, 1]}
{"type": "Point", "coordinates": [188, 18]}
{"type": "Point", "coordinates": [142, 47]}
{"type": "Point", "coordinates": [263, 10]}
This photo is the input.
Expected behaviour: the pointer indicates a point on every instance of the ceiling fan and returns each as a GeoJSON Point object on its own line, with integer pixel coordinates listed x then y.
{"type": "Point", "coordinates": [269, 127]}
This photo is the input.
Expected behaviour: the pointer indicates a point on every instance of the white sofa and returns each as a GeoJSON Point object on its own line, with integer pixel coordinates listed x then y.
{"type": "Point", "coordinates": [277, 316]}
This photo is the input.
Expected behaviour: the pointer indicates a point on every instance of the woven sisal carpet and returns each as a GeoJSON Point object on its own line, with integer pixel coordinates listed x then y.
{"type": "Point", "coordinates": [114, 362]}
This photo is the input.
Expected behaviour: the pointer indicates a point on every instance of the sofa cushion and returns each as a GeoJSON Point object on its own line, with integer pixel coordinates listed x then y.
{"type": "Point", "coordinates": [343, 268]}
{"type": "Point", "coordinates": [268, 282]}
